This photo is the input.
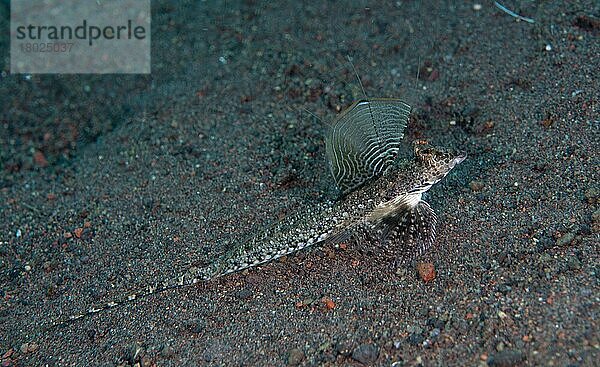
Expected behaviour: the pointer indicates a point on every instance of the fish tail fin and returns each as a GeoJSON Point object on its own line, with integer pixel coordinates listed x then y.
{"type": "Point", "coordinates": [192, 276]}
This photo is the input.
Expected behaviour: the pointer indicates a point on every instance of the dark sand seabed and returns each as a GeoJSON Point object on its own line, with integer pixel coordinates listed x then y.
{"type": "Point", "coordinates": [112, 182]}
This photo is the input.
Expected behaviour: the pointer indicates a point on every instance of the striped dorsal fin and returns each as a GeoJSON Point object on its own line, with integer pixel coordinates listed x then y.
{"type": "Point", "coordinates": [364, 141]}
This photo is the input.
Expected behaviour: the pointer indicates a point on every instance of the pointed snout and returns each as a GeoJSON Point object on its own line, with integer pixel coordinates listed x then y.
{"type": "Point", "coordinates": [459, 157]}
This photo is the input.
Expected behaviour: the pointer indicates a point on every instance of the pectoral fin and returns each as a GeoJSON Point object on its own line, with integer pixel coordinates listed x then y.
{"type": "Point", "coordinates": [410, 232]}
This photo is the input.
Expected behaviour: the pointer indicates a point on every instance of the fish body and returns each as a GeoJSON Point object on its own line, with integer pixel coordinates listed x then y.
{"type": "Point", "coordinates": [380, 199]}
{"type": "Point", "coordinates": [392, 200]}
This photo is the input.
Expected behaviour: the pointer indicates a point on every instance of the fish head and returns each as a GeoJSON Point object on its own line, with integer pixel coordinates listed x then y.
{"type": "Point", "coordinates": [436, 162]}
{"type": "Point", "coordinates": [430, 166]}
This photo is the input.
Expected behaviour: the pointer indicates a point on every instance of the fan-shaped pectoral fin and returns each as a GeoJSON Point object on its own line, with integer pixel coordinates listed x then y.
{"type": "Point", "coordinates": [409, 232]}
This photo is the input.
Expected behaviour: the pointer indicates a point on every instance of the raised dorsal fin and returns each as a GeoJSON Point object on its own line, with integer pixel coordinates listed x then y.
{"type": "Point", "coordinates": [364, 140]}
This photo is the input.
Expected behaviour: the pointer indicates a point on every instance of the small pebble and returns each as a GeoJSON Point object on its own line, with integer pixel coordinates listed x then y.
{"type": "Point", "coordinates": [195, 326]}
{"type": "Point", "coordinates": [244, 294]}
{"type": "Point", "coordinates": [506, 358]}
{"type": "Point", "coordinates": [414, 329]}
{"type": "Point", "coordinates": [40, 159]}
{"type": "Point", "coordinates": [416, 339]}
{"type": "Point", "coordinates": [366, 354]}
{"type": "Point", "coordinates": [500, 346]}
{"type": "Point", "coordinates": [565, 239]}
{"type": "Point", "coordinates": [295, 357]}
{"type": "Point", "coordinates": [476, 185]}
{"type": "Point", "coordinates": [402, 271]}
{"type": "Point", "coordinates": [28, 347]}
{"type": "Point", "coordinates": [344, 348]}
{"type": "Point", "coordinates": [586, 292]}
{"type": "Point", "coordinates": [573, 263]}
{"type": "Point", "coordinates": [591, 195]}
{"type": "Point", "coordinates": [24, 348]}
{"type": "Point", "coordinates": [596, 216]}
{"type": "Point", "coordinates": [167, 351]}
{"type": "Point", "coordinates": [329, 304]}
{"type": "Point", "coordinates": [426, 271]}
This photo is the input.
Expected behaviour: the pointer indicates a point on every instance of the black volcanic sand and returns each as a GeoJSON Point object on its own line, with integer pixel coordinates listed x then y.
{"type": "Point", "coordinates": [109, 183]}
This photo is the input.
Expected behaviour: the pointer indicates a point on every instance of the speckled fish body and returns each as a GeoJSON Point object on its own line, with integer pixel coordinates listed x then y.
{"type": "Point", "coordinates": [380, 199]}
{"type": "Point", "coordinates": [367, 208]}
